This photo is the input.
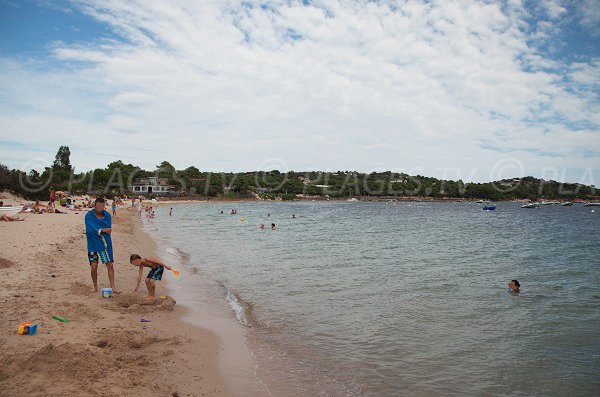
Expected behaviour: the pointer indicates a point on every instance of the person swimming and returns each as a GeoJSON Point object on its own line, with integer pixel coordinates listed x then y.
{"type": "Point", "coordinates": [262, 226]}
{"type": "Point", "coordinates": [273, 227]}
{"type": "Point", "coordinates": [514, 286]}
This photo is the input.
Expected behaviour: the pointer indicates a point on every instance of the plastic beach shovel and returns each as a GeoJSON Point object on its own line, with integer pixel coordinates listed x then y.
{"type": "Point", "coordinates": [61, 319]}
{"type": "Point", "coordinates": [175, 272]}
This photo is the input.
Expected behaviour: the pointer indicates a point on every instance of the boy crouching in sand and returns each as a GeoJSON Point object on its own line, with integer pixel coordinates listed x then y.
{"type": "Point", "coordinates": [156, 271]}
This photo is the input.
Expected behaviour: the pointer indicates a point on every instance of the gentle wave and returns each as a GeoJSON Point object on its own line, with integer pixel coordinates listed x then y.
{"type": "Point", "coordinates": [241, 308]}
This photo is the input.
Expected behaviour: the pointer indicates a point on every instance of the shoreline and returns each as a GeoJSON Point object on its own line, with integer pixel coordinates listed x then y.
{"type": "Point", "coordinates": [105, 349]}
{"type": "Point", "coordinates": [235, 359]}
{"type": "Point", "coordinates": [162, 201]}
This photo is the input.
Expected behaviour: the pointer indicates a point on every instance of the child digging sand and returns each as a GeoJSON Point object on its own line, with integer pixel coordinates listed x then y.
{"type": "Point", "coordinates": [155, 273]}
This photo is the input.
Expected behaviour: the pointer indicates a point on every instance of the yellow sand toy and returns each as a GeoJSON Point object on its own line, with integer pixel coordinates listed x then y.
{"type": "Point", "coordinates": [175, 272]}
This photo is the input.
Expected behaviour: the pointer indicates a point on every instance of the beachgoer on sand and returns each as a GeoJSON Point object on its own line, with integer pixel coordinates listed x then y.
{"type": "Point", "coordinates": [114, 207]}
{"type": "Point", "coordinates": [156, 267]}
{"type": "Point", "coordinates": [98, 229]}
{"type": "Point", "coordinates": [52, 197]}
{"type": "Point", "coordinates": [7, 218]}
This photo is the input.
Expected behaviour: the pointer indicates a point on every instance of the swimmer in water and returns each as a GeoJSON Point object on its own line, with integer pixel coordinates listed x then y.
{"type": "Point", "coordinates": [262, 226]}
{"type": "Point", "coordinates": [293, 216]}
{"type": "Point", "coordinates": [514, 286]}
{"type": "Point", "coordinates": [273, 227]}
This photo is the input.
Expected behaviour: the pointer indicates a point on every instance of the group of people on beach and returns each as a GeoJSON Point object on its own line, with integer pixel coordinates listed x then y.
{"type": "Point", "coordinates": [148, 209]}
{"type": "Point", "coordinates": [98, 230]}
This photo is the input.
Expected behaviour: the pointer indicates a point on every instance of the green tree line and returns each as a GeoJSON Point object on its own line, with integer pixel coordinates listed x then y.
{"type": "Point", "coordinates": [117, 176]}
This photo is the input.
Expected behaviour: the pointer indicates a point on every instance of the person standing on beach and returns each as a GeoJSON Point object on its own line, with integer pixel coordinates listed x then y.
{"type": "Point", "coordinates": [98, 229]}
{"type": "Point", "coordinates": [52, 197]}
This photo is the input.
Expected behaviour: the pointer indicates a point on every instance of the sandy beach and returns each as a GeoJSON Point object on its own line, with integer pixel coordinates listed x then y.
{"type": "Point", "coordinates": [105, 349]}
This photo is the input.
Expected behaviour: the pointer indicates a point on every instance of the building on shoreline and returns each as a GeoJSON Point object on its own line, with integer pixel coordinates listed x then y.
{"type": "Point", "coordinates": [153, 186]}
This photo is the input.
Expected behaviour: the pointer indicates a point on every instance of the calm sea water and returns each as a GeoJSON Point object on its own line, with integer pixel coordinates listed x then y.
{"type": "Point", "coordinates": [402, 299]}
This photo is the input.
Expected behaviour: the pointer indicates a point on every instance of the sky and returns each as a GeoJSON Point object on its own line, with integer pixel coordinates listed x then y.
{"type": "Point", "coordinates": [471, 90]}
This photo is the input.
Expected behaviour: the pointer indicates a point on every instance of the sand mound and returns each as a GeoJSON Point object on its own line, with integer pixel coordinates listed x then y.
{"type": "Point", "coordinates": [68, 367]}
{"type": "Point", "coordinates": [129, 302]}
{"type": "Point", "coordinates": [5, 263]}
{"type": "Point", "coordinates": [111, 363]}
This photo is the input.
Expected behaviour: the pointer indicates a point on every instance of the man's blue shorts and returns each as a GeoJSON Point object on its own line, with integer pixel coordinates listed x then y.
{"type": "Point", "coordinates": [103, 255]}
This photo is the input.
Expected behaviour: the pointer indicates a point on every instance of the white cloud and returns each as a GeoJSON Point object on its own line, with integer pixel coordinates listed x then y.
{"type": "Point", "coordinates": [553, 8]}
{"type": "Point", "coordinates": [336, 85]}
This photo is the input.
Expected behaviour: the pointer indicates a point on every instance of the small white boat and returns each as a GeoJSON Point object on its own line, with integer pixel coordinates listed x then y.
{"type": "Point", "coordinates": [592, 204]}
{"type": "Point", "coordinates": [567, 204]}
{"type": "Point", "coordinates": [530, 205]}
{"type": "Point", "coordinates": [482, 202]}
{"type": "Point", "coordinates": [10, 211]}
{"type": "Point", "coordinates": [353, 199]}
{"type": "Point", "coordinates": [546, 203]}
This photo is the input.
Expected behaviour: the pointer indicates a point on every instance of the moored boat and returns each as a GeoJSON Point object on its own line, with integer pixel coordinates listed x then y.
{"type": "Point", "coordinates": [567, 204]}
{"type": "Point", "coordinates": [530, 205]}
{"type": "Point", "coordinates": [489, 207]}
{"type": "Point", "coordinates": [592, 205]}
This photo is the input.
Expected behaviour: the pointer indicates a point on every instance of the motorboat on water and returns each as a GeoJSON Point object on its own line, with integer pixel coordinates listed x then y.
{"type": "Point", "coordinates": [489, 207]}
{"type": "Point", "coordinates": [591, 205]}
{"type": "Point", "coordinates": [567, 204]}
{"type": "Point", "coordinates": [530, 205]}
{"type": "Point", "coordinates": [10, 211]}
{"type": "Point", "coordinates": [482, 202]}
{"type": "Point", "coordinates": [545, 203]}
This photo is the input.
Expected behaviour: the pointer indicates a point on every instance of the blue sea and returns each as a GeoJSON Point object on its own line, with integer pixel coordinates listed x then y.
{"type": "Point", "coordinates": [387, 299]}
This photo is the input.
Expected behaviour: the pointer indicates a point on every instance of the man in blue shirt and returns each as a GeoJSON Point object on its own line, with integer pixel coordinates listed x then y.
{"type": "Point", "coordinates": [98, 228]}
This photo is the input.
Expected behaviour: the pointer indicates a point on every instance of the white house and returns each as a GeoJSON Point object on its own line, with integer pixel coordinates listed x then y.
{"type": "Point", "coordinates": [152, 185]}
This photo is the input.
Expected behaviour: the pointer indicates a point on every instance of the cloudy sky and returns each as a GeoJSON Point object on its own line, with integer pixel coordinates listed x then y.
{"type": "Point", "coordinates": [476, 90]}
